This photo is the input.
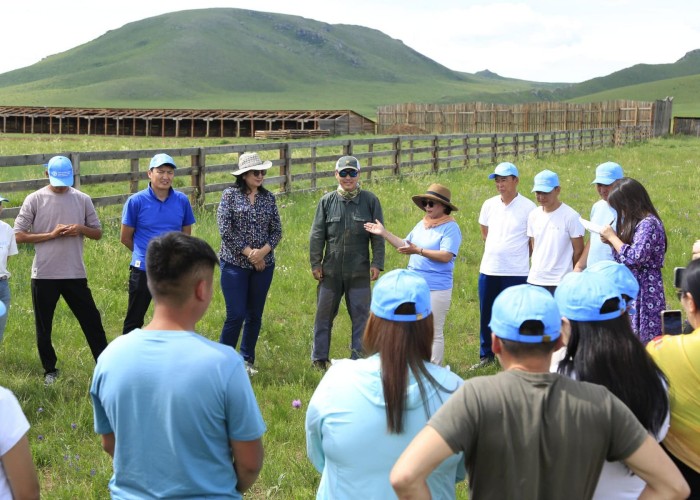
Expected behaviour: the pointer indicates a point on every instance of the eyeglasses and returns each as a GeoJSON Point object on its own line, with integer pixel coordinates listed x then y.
{"type": "Point", "coordinates": [346, 172]}
{"type": "Point", "coordinates": [257, 173]}
{"type": "Point", "coordinates": [427, 203]}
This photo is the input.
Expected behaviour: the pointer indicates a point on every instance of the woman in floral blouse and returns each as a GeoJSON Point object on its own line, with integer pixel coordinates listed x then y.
{"type": "Point", "coordinates": [250, 229]}
{"type": "Point", "coordinates": [639, 243]}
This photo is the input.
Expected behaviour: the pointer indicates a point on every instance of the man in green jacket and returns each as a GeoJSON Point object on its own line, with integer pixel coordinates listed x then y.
{"type": "Point", "coordinates": [340, 259]}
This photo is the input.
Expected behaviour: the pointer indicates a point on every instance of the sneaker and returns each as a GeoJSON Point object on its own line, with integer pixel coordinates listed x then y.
{"type": "Point", "coordinates": [249, 369]}
{"type": "Point", "coordinates": [321, 364]}
{"type": "Point", "coordinates": [50, 377]}
{"type": "Point", "coordinates": [484, 362]}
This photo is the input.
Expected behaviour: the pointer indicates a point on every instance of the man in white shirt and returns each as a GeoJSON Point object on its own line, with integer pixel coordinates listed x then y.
{"type": "Point", "coordinates": [555, 232]}
{"type": "Point", "coordinates": [506, 259]}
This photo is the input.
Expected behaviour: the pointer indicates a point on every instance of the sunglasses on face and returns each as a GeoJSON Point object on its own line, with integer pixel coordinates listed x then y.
{"type": "Point", "coordinates": [258, 173]}
{"type": "Point", "coordinates": [350, 172]}
{"type": "Point", "coordinates": [427, 203]}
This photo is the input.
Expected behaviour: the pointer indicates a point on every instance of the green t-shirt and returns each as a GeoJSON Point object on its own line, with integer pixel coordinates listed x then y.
{"type": "Point", "coordinates": [536, 435]}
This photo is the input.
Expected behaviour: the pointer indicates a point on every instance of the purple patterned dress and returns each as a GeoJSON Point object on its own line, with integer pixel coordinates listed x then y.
{"type": "Point", "coordinates": [645, 258]}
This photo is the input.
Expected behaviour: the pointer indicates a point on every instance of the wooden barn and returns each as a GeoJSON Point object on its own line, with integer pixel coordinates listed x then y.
{"type": "Point", "coordinates": [686, 125]}
{"type": "Point", "coordinates": [179, 122]}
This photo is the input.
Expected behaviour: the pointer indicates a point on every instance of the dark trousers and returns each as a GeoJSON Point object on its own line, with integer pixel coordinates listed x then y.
{"type": "Point", "coordinates": [245, 292]}
{"type": "Point", "coordinates": [328, 295]}
{"type": "Point", "coordinates": [489, 288]}
{"type": "Point", "coordinates": [139, 300]}
{"type": "Point", "coordinates": [45, 295]}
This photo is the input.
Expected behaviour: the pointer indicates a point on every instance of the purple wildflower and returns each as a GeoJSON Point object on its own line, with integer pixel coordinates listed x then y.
{"type": "Point", "coordinates": [296, 403]}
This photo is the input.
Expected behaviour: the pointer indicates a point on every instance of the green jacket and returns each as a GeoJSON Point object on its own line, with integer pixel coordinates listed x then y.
{"type": "Point", "coordinates": [339, 242]}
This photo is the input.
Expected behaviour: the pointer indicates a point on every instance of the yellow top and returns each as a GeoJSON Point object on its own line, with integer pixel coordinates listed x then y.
{"type": "Point", "coordinates": [679, 358]}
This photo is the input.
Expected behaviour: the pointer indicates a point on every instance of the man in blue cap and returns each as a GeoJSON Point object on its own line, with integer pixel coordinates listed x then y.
{"type": "Point", "coordinates": [506, 259]}
{"type": "Point", "coordinates": [556, 234]}
{"type": "Point", "coordinates": [156, 210]}
{"type": "Point", "coordinates": [529, 433]}
{"type": "Point", "coordinates": [56, 219]}
{"type": "Point", "coordinates": [607, 176]}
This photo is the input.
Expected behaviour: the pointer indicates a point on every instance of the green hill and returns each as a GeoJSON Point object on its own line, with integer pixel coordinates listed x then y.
{"type": "Point", "coordinates": [242, 59]}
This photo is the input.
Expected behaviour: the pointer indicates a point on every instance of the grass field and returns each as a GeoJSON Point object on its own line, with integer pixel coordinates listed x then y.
{"type": "Point", "coordinates": [67, 453]}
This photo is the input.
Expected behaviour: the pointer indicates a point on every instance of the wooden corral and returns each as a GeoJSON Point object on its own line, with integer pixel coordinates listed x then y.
{"type": "Point", "coordinates": [477, 117]}
{"type": "Point", "coordinates": [176, 122]}
{"type": "Point", "coordinates": [686, 125]}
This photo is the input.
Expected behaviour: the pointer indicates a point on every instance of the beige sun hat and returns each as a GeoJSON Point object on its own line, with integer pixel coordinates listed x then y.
{"type": "Point", "coordinates": [435, 192]}
{"type": "Point", "coordinates": [251, 161]}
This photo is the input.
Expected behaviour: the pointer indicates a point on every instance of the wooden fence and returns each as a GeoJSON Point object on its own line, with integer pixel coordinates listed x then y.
{"type": "Point", "coordinates": [303, 166]}
{"type": "Point", "coordinates": [478, 117]}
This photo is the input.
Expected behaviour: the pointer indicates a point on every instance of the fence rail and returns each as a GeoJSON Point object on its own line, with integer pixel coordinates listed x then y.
{"type": "Point", "coordinates": [303, 166]}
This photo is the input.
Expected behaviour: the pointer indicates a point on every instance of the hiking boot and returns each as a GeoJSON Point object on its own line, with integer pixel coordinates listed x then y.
{"type": "Point", "coordinates": [483, 363]}
{"type": "Point", "coordinates": [320, 364]}
{"type": "Point", "coordinates": [50, 377]}
{"type": "Point", "coordinates": [249, 368]}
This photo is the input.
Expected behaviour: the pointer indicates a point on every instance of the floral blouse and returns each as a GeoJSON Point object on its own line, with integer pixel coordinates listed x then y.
{"type": "Point", "coordinates": [242, 224]}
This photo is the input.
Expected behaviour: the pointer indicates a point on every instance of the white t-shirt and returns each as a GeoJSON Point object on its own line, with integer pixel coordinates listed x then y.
{"type": "Point", "coordinates": [8, 246]}
{"type": "Point", "coordinates": [506, 250]}
{"type": "Point", "coordinates": [553, 252]}
{"type": "Point", "coordinates": [13, 425]}
{"type": "Point", "coordinates": [602, 214]}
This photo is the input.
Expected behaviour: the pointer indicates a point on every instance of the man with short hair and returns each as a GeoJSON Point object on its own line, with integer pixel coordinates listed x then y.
{"type": "Point", "coordinates": [56, 219]}
{"type": "Point", "coordinates": [176, 411]}
{"type": "Point", "coordinates": [506, 259]}
{"type": "Point", "coordinates": [340, 260]}
{"type": "Point", "coordinates": [556, 234]}
{"type": "Point", "coordinates": [607, 176]}
{"type": "Point", "coordinates": [151, 212]}
{"type": "Point", "coordinates": [529, 433]}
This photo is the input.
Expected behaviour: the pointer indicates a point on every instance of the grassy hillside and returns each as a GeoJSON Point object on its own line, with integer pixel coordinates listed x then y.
{"type": "Point", "coordinates": [242, 59]}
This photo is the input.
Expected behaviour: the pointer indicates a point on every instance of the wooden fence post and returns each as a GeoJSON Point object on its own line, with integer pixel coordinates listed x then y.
{"type": "Point", "coordinates": [75, 160]}
{"type": "Point", "coordinates": [494, 148]}
{"type": "Point", "coordinates": [198, 178]}
{"type": "Point", "coordinates": [286, 167]}
{"type": "Point", "coordinates": [465, 147]}
{"type": "Point", "coordinates": [313, 167]}
{"type": "Point", "coordinates": [536, 144]}
{"type": "Point", "coordinates": [397, 155]}
{"type": "Point", "coordinates": [436, 153]}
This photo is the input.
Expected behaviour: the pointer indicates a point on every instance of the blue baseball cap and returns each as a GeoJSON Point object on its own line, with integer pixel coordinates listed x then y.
{"type": "Point", "coordinates": [161, 159]}
{"type": "Point", "coordinates": [60, 171]}
{"type": "Point", "coordinates": [620, 274]}
{"type": "Point", "coordinates": [520, 303]}
{"type": "Point", "coordinates": [581, 295]}
{"type": "Point", "coordinates": [546, 181]}
{"type": "Point", "coordinates": [504, 170]}
{"type": "Point", "coordinates": [398, 287]}
{"type": "Point", "coordinates": [607, 173]}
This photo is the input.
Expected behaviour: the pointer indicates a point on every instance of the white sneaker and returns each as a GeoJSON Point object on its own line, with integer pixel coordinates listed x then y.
{"type": "Point", "coordinates": [249, 369]}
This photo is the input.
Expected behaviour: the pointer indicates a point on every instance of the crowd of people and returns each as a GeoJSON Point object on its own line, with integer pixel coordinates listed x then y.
{"type": "Point", "coordinates": [574, 325]}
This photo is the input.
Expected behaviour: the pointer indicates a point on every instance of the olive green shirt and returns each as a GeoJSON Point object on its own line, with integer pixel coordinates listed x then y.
{"type": "Point", "coordinates": [339, 243]}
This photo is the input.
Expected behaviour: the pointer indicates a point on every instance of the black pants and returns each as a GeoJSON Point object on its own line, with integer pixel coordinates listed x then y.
{"type": "Point", "coordinates": [45, 295]}
{"type": "Point", "coordinates": [139, 300]}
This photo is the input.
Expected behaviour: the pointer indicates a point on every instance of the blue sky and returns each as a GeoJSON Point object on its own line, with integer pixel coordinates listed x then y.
{"type": "Point", "coordinates": [539, 40]}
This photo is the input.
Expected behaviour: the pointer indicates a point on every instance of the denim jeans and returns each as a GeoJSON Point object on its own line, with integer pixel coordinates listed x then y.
{"type": "Point", "coordinates": [245, 292]}
{"type": "Point", "coordinates": [489, 288]}
{"type": "Point", "coordinates": [5, 298]}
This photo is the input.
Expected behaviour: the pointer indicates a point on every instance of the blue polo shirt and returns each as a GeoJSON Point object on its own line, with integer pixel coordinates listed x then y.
{"type": "Point", "coordinates": [151, 217]}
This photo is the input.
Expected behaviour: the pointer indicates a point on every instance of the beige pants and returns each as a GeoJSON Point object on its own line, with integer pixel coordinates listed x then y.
{"type": "Point", "coordinates": [440, 301]}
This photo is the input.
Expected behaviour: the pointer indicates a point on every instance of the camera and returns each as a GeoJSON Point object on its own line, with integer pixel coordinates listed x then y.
{"type": "Point", "coordinates": [678, 276]}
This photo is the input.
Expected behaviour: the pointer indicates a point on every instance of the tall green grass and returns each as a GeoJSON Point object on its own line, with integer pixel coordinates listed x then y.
{"type": "Point", "coordinates": [67, 453]}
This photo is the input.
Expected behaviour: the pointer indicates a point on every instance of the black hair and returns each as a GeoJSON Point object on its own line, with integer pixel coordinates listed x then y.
{"type": "Point", "coordinates": [691, 280]}
{"type": "Point", "coordinates": [174, 258]}
{"type": "Point", "coordinates": [529, 327]}
{"type": "Point", "coordinates": [608, 353]}
{"type": "Point", "coordinates": [243, 187]}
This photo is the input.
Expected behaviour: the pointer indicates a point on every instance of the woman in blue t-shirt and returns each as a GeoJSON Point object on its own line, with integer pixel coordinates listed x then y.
{"type": "Point", "coordinates": [432, 245]}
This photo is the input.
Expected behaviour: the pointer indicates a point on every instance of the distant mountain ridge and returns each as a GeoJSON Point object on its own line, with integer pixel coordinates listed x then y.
{"type": "Point", "coordinates": [243, 59]}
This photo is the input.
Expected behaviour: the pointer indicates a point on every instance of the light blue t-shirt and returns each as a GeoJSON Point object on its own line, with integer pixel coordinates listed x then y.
{"type": "Point", "coordinates": [602, 214]}
{"type": "Point", "coordinates": [346, 433]}
{"type": "Point", "coordinates": [443, 237]}
{"type": "Point", "coordinates": [174, 400]}
{"type": "Point", "coordinates": [151, 217]}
